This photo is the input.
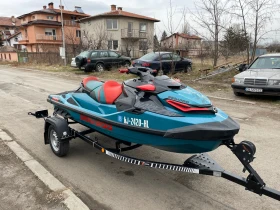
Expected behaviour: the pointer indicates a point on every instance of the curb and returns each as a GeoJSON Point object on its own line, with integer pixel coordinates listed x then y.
{"type": "Point", "coordinates": [70, 199]}
{"type": "Point", "coordinates": [229, 99]}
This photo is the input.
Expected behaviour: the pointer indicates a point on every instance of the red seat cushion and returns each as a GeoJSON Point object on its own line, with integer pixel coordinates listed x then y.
{"type": "Point", "coordinates": [87, 79]}
{"type": "Point", "coordinates": [112, 90]}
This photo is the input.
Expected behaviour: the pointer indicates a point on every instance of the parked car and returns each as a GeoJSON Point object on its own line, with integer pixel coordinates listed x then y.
{"type": "Point", "coordinates": [73, 62]}
{"type": "Point", "coordinates": [100, 60]}
{"type": "Point", "coordinates": [153, 60]}
{"type": "Point", "coordinates": [262, 77]}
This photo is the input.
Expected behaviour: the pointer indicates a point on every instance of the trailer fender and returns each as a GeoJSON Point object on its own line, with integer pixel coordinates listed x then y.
{"type": "Point", "coordinates": [61, 126]}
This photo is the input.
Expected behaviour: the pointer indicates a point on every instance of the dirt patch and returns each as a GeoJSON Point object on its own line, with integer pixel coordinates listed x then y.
{"type": "Point", "coordinates": [20, 188]}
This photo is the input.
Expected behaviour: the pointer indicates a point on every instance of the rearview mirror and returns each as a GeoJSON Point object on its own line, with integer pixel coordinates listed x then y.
{"type": "Point", "coordinates": [243, 67]}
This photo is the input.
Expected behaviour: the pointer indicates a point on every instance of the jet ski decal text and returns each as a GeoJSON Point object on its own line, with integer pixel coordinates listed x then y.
{"type": "Point", "coordinates": [96, 123]}
{"type": "Point", "coordinates": [136, 122]}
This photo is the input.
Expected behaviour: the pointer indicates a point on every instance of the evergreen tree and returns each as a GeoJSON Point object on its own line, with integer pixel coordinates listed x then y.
{"type": "Point", "coordinates": [156, 43]}
{"type": "Point", "coordinates": [164, 35]}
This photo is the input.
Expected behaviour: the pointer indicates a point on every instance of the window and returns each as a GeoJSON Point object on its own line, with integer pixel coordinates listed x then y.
{"type": "Point", "coordinates": [166, 57]}
{"type": "Point", "coordinates": [143, 27]}
{"type": "Point", "coordinates": [49, 32]}
{"type": "Point", "coordinates": [143, 45]}
{"type": "Point", "coordinates": [176, 57]}
{"type": "Point", "coordinates": [267, 63]}
{"type": "Point", "coordinates": [33, 17]}
{"type": "Point", "coordinates": [94, 54]}
{"type": "Point", "coordinates": [50, 17]}
{"type": "Point", "coordinates": [113, 54]}
{"type": "Point", "coordinates": [78, 33]}
{"type": "Point", "coordinates": [16, 39]}
{"type": "Point", "coordinates": [104, 54]}
{"type": "Point", "coordinates": [113, 44]}
{"type": "Point", "coordinates": [112, 24]}
{"type": "Point", "coordinates": [10, 57]}
{"type": "Point", "coordinates": [23, 19]}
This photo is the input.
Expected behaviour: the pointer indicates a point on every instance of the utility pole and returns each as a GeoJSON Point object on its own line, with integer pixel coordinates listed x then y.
{"type": "Point", "coordinates": [63, 38]}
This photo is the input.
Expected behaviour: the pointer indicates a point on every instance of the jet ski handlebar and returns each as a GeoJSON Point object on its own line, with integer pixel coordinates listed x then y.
{"type": "Point", "coordinates": [145, 74]}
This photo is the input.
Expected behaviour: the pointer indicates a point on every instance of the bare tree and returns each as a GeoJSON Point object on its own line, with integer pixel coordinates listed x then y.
{"type": "Point", "coordinates": [241, 10]}
{"type": "Point", "coordinates": [211, 15]}
{"type": "Point", "coordinates": [186, 28]}
{"type": "Point", "coordinates": [262, 13]}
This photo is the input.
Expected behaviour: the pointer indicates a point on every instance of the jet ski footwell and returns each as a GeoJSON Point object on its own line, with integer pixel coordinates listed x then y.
{"type": "Point", "coordinates": [196, 164]}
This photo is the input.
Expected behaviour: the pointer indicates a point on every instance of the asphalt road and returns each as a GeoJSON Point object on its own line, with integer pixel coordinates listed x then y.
{"type": "Point", "coordinates": [105, 183]}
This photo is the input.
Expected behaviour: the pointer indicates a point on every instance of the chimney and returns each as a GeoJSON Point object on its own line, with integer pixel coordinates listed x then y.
{"type": "Point", "coordinates": [44, 7]}
{"type": "Point", "coordinates": [50, 5]}
{"type": "Point", "coordinates": [61, 7]}
{"type": "Point", "coordinates": [13, 19]}
{"type": "Point", "coordinates": [113, 7]}
{"type": "Point", "coordinates": [119, 8]}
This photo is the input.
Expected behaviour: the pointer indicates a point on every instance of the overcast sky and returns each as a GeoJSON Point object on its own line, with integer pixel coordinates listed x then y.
{"type": "Point", "coordinates": [152, 8]}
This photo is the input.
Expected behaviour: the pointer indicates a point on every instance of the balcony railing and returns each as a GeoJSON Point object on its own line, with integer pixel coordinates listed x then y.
{"type": "Point", "coordinates": [70, 23]}
{"type": "Point", "coordinates": [133, 33]}
{"type": "Point", "coordinates": [48, 37]}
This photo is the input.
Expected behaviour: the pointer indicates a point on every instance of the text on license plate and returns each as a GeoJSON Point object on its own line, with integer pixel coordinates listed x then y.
{"type": "Point", "coordinates": [256, 90]}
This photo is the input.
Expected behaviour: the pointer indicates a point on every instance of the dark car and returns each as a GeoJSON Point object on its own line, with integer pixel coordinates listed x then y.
{"type": "Point", "coordinates": [262, 77]}
{"type": "Point", "coordinates": [99, 60]}
{"type": "Point", "coordinates": [155, 59]}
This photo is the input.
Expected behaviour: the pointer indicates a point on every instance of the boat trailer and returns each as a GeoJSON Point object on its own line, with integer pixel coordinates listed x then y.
{"type": "Point", "coordinates": [196, 164]}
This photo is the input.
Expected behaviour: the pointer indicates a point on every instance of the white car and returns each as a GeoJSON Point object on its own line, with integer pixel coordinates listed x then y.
{"type": "Point", "coordinates": [262, 77]}
{"type": "Point", "coordinates": [73, 63]}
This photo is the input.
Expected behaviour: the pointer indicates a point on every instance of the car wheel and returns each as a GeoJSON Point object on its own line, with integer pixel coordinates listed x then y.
{"type": "Point", "coordinates": [188, 69]}
{"type": "Point", "coordinates": [99, 67]}
{"type": "Point", "coordinates": [238, 93]}
{"type": "Point", "coordinates": [127, 64]}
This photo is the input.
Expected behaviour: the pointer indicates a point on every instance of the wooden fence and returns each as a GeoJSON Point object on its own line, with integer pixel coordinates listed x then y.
{"type": "Point", "coordinates": [43, 58]}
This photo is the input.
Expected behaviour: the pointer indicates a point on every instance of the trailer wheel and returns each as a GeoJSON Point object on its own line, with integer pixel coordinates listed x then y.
{"type": "Point", "coordinates": [60, 149]}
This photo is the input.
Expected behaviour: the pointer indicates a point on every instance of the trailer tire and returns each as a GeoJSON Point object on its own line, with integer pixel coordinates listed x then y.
{"type": "Point", "coordinates": [59, 148]}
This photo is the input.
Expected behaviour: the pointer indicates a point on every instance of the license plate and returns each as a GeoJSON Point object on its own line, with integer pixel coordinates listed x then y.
{"type": "Point", "coordinates": [255, 90]}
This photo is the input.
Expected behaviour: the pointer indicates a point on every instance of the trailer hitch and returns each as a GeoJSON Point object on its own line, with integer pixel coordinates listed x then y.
{"type": "Point", "coordinates": [40, 114]}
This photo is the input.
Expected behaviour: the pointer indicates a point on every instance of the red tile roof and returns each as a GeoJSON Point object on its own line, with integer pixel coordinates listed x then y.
{"type": "Point", "coordinates": [187, 36]}
{"type": "Point", "coordinates": [71, 12]}
{"type": "Point", "coordinates": [7, 21]}
{"type": "Point", "coordinates": [54, 11]}
{"type": "Point", "coordinates": [123, 14]}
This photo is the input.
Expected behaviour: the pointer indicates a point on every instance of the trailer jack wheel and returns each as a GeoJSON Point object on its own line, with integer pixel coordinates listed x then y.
{"type": "Point", "coordinates": [59, 147]}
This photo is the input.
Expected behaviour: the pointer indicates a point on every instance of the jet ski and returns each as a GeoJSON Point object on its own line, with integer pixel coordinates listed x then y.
{"type": "Point", "coordinates": [152, 110]}
{"type": "Point", "coordinates": [157, 111]}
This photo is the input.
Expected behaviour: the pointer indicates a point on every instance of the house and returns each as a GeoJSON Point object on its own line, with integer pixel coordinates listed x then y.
{"type": "Point", "coordinates": [129, 33]}
{"type": "Point", "coordinates": [184, 44]}
{"type": "Point", "coordinates": [8, 27]}
{"type": "Point", "coordinates": [42, 29]}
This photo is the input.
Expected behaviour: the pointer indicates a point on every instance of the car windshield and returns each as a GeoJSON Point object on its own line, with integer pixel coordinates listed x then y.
{"type": "Point", "coordinates": [149, 57]}
{"type": "Point", "coordinates": [272, 62]}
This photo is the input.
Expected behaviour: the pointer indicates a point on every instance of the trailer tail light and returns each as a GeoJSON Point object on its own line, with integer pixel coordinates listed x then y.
{"type": "Point", "coordinates": [145, 64]}
{"type": "Point", "coordinates": [185, 107]}
{"type": "Point", "coordinates": [88, 60]}
{"type": "Point", "coordinates": [146, 87]}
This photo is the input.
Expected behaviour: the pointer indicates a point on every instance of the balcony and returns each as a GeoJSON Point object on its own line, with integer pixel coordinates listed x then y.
{"type": "Point", "coordinates": [70, 23]}
{"type": "Point", "coordinates": [23, 40]}
{"type": "Point", "coordinates": [133, 34]}
{"type": "Point", "coordinates": [48, 38]}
